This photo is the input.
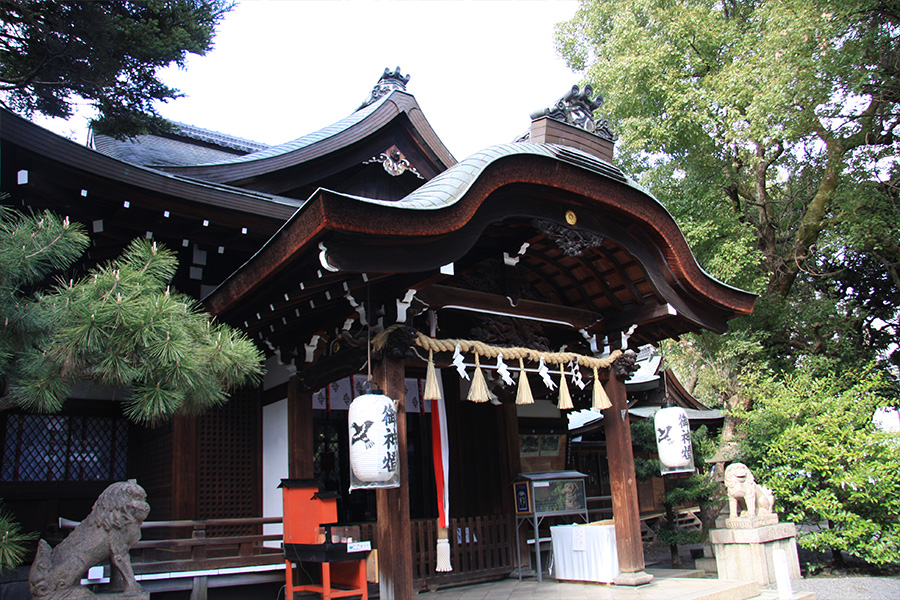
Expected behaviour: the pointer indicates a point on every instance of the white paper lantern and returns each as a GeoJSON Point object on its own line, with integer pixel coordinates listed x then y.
{"type": "Point", "coordinates": [673, 438]}
{"type": "Point", "coordinates": [372, 423]}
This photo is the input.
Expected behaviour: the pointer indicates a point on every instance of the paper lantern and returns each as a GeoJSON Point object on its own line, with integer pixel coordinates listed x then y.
{"type": "Point", "coordinates": [673, 438]}
{"type": "Point", "coordinates": [374, 458]}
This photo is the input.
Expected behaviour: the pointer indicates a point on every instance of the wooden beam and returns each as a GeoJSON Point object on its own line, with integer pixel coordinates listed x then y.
{"type": "Point", "coordinates": [622, 320]}
{"type": "Point", "coordinates": [394, 533]}
{"type": "Point", "coordinates": [623, 485]}
{"type": "Point", "coordinates": [442, 296]}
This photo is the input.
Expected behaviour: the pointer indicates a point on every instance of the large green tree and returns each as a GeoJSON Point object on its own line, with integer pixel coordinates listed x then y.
{"type": "Point", "coordinates": [120, 326]}
{"type": "Point", "coordinates": [770, 130]}
{"type": "Point", "coordinates": [106, 52]}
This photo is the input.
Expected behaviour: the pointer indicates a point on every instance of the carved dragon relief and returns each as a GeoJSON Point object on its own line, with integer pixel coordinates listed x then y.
{"type": "Point", "coordinates": [571, 241]}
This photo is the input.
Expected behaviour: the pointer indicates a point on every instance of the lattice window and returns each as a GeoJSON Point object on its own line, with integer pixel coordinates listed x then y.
{"type": "Point", "coordinates": [64, 448]}
{"type": "Point", "coordinates": [228, 462]}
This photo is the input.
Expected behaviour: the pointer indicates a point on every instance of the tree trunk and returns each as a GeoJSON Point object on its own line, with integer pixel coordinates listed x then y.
{"type": "Point", "coordinates": [811, 225]}
{"type": "Point", "coordinates": [730, 426]}
{"type": "Point", "coordinates": [670, 517]}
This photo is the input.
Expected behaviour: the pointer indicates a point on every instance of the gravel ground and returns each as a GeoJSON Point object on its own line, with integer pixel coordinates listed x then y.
{"type": "Point", "coordinates": [854, 582]}
{"type": "Point", "coordinates": [850, 587]}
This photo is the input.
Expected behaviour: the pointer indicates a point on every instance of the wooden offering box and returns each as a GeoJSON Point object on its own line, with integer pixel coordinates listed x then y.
{"type": "Point", "coordinates": [311, 535]}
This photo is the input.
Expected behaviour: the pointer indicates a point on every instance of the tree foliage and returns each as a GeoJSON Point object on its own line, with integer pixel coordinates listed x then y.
{"type": "Point", "coordinates": [13, 541]}
{"type": "Point", "coordinates": [120, 326]}
{"type": "Point", "coordinates": [104, 51]}
{"type": "Point", "coordinates": [769, 129]}
{"type": "Point", "coordinates": [812, 441]}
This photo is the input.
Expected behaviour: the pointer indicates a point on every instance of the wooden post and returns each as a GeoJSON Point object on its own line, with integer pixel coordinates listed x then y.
{"type": "Point", "coordinates": [185, 450]}
{"type": "Point", "coordinates": [623, 484]}
{"type": "Point", "coordinates": [394, 534]}
{"type": "Point", "coordinates": [510, 463]}
{"type": "Point", "coordinates": [300, 431]}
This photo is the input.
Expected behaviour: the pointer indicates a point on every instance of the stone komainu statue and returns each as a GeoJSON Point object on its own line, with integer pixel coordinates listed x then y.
{"type": "Point", "coordinates": [743, 491]}
{"type": "Point", "coordinates": [108, 533]}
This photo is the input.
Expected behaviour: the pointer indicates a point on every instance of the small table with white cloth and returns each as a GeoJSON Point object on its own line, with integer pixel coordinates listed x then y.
{"type": "Point", "coordinates": [585, 553]}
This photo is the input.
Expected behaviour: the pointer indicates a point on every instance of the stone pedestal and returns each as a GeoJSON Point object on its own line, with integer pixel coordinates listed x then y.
{"type": "Point", "coordinates": [746, 554]}
{"type": "Point", "coordinates": [633, 579]}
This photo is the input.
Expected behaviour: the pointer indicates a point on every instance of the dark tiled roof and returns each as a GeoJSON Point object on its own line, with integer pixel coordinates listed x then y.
{"type": "Point", "coordinates": [310, 138]}
{"type": "Point", "coordinates": [185, 145]}
{"type": "Point", "coordinates": [219, 139]}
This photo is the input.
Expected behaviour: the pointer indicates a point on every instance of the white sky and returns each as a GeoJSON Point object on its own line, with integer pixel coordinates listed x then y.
{"type": "Point", "coordinates": [283, 68]}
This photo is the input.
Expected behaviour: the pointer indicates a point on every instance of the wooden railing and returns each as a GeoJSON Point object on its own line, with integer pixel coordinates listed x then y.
{"type": "Point", "coordinates": [686, 518]}
{"type": "Point", "coordinates": [185, 546]}
{"type": "Point", "coordinates": [481, 549]}
{"type": "Point", "coordinates": [178, 555]}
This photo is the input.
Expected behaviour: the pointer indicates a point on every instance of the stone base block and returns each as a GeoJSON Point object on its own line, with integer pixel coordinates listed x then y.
{"type": "Point", "coordinates": [751, 522]}
{"type": "Point", "coordinates": [746, 554]}
{"type": "Point", "coordinates": [632, 579]}
{"type": "Point", "coordinates": [708, 565]}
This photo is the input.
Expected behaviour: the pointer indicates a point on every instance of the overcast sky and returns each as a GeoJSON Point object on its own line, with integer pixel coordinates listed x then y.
{"type": "Point", "coordinates": [283, 68]}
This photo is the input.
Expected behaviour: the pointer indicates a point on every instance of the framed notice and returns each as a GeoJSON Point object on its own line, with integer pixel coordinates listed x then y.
{"type": "Point", "coordinates": [530, 445]}
{"type": "Point", "coordinates": [522, 491]}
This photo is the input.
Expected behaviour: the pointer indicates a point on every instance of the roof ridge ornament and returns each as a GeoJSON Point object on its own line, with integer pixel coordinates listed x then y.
{"type": "Point", "coordinates": [394, 162]}
{"type": "Point", "coordinates": [577, 108]}
{"type": "Point", "coordinates": [389, 81]}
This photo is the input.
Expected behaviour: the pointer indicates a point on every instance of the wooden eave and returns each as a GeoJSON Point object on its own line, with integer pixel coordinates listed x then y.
{"type": "Point", "coordinates": [392, 119]}
{"type": "Point", "coordinates": [31, 147]}
{"type": "Point", "coordinates": [642, 273]}
{"type": "Point", "coordinates": [118, 202]}
{"type": "Point", "coordinates": [682, 397]}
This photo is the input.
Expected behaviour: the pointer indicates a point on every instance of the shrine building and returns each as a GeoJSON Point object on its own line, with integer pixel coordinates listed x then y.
{"type": "Point", "coordinates": [366, 248]}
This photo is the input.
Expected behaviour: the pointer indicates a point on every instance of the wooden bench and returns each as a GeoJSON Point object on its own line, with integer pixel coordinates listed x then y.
{"type": "Point", "coordinates": [185, 558]}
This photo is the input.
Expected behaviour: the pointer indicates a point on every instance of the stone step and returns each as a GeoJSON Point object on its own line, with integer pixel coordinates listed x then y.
{"type": "Point", "coordinates": [688, 573]}
{"type": "Point", "coordinates": [736, 590]}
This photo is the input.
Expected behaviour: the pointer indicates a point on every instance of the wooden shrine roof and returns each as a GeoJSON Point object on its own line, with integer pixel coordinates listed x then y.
{"type": "Point", "coordinates": [394, 120]}
{"type": "Point", "coordinates": [595, 251]}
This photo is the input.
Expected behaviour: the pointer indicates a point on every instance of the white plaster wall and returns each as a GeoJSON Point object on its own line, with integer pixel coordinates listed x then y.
{"type": "Point", "coordinates": [276, 373]}
{"type": "Point", "coordinates": [275, 463]}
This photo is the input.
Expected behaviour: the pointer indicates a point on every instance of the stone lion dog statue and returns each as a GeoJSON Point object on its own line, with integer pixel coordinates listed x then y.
{"type": "Point", "coordinates": [757, 500]}
{"type": "Point", "coordinates": [108, 533]}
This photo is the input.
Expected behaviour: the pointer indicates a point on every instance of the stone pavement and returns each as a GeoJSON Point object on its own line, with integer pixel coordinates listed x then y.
{"type": "Point", "coordinates": [661, 588]}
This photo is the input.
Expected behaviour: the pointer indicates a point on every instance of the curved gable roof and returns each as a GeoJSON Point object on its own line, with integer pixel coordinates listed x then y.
{"type": "Point", "coordinates": [496, 196]}
{"type": "Point", "coordinates": [365, 123]}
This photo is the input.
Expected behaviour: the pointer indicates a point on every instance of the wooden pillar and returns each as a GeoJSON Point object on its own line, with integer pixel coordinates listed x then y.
{"type": "Point", "coordinates": [623, 484]}
{"type": "Point", "coordinates": [508, 441]}
{"type": "Point", "coordinates": [300, 431]}
{"type": "Point", "coordinates": [185, 467]}
{"type": "Point", "coordinates": [393, 529]}
{"type": "Point", "coordinates": [510, 464]}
